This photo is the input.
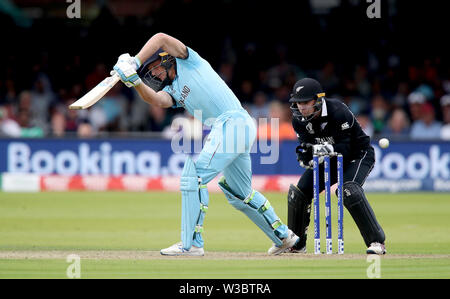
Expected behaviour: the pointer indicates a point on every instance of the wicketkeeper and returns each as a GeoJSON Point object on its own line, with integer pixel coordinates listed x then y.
{"type": "Point", "coordinates": [330, 126]}
{"type": "Point", "coordinates": [168, 74]}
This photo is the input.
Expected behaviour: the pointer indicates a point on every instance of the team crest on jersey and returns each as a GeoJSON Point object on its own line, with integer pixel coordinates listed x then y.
{"type": "Point", "coordinates": [309, 127]}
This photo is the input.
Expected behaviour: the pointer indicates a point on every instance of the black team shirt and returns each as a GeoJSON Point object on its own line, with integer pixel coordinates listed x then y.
{"type": "Point", "coordinates": [336, 125]}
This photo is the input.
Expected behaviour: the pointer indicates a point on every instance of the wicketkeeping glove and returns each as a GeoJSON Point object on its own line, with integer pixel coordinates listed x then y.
{"type": "Point", "coordinates": [307, 165]}
{"type": "Point", "coordinates": [304, 155]}
{"type": "Point", "coordinates": [323, 149]}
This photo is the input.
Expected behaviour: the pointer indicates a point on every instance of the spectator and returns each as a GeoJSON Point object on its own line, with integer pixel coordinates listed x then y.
{"type": "Point", "coordinates": [379, 115]}
{"type": "Point", "coordinates": [398, 125]}
{"type": "Point", "coordinates": [10, 93]}
{"type": "Point", "coordinates": [427, 127]}
{"type": "Point", "coordinates": [426, 90]}
{"type": "Point", "coordinates": [328, 78]}
{"type": "Point", "coordinates": [58, 123]}
{"type": "Point", "coordinates": [84, 130]}
{"type": "Point", "coordinates": [111, 113]}
{"type": "Point", "coordinates": [26, 126]}
{"type": "Point", "coordinates": [278, 114]}
{"type": "Point", "coordinates": [246, 92]}
{"type": "Point", "coordinates": [283, 71]}
{"type": "Point", "coordinates": [362, 83]}
{"type": "Point", "coordinates": [8, 126]}
{"type": "Point", "coordinates": [282, 94]}
{"type": "Point", "coordinates": [416, 100]}
{"type": "Point", "coordinates": [366, 124]}
{"type": "Point", "coordinates": [157, 120]}
{"type": "Point", "coordinates": [97, 118]}
{"type": "Point", "coordinates": [29, 126]}
{"type": "Point", "coordinates": [71, 120]}
{"type": "Point", "coordinates": [139, 112]}
{"type": "Point", "coordinates": [96, 76]}
{"type": "Point", "coordinates": [446, 85]}
{"type": "Point", "coordinates": [226, 73]}
{"type": "Point", "coordinates": [356, 104]}
{"type": "Point", "coordinates": [24, 101]}
{"type": "Point", "coordinates": [42, 99]}
{"type": "Point", "coordinates": [445, 104]}
{"type": "Point", "coordinates": [400, 98]}
{"type": "Point", "coordinates": [260, 108]}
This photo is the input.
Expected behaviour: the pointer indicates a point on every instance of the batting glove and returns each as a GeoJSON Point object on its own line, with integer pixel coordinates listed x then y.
{"type": "Point", "coordinates": [134, 61]}
{"type": "Point", "coordinates": [127, 73]}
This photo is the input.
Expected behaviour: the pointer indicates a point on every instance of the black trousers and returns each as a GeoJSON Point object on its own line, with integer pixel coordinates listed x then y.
{"type": "Point", "coordinates": [355, 170]}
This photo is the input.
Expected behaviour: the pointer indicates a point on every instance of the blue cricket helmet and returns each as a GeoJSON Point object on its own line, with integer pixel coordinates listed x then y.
{"type": "Point", "coordinates": [152, 81]}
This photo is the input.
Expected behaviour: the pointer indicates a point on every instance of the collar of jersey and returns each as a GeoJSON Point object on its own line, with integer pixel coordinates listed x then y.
{"type": "Point", "coordinates": [324, 109]}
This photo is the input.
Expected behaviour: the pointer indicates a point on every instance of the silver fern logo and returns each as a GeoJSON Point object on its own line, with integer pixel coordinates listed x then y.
{"type": "Point", "coordinates": [310, 129]}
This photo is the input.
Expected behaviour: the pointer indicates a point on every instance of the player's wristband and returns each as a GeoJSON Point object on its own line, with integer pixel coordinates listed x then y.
{"type": "Point", "coordinates": [137, 61]}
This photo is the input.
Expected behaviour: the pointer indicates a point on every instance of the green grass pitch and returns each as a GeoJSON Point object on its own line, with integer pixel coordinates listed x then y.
{"type": "Point", "coordinates": [119, 235]}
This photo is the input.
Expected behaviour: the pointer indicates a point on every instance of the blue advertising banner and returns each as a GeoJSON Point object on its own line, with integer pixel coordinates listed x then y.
{"type": "Point", "coordinates": [404, 166]}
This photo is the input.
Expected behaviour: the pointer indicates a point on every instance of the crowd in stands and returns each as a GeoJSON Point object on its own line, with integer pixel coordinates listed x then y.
{"type": "Point", "coordinates": [417, 108]}
{"type": "Point", "coordinates": [398, 101]}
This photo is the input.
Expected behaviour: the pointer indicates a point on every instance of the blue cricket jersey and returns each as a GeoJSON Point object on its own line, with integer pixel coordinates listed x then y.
{"type": "Point", "coordinates": [198, 87]}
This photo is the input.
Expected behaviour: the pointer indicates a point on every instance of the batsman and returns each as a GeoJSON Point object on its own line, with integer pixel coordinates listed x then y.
{"type": "Point", "coordinates": [166, 73]}
{"type": "Point", "coordinates": [325, 126]}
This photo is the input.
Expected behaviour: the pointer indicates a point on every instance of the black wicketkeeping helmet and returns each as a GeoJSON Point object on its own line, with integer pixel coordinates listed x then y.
{"type": "Point", "coordinates": [305, 90]}
{"type": "Point", "coordinates": [166, 61]}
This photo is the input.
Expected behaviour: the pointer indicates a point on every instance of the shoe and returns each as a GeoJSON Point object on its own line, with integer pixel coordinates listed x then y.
{"type": "Point", "coordinates": [376, 248]}
{"type": "Point", "coordinates": [295, 250]}
{"type": "Point", "coordinates": [177, 249]}
{"type": "Point", "coordinates": [288, 242]}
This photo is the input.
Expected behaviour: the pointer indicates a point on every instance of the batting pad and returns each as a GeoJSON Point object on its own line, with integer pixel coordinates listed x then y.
{"type": "Point", "coordinates": [269, 223]}
{"type": "Point", "coordinates": [190, 203]}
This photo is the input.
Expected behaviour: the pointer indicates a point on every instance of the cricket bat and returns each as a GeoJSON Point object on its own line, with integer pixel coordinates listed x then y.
{"type": "Point", "coordinates": [96, 93]}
